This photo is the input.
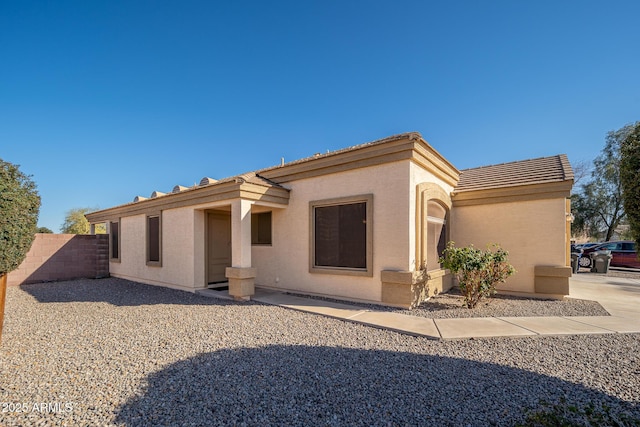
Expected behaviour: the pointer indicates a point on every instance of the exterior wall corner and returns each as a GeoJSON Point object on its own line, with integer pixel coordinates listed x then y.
{"type": "Point", "coordinates": [408, 289]}
{"type": "Point", "coordinates": [552, 279]}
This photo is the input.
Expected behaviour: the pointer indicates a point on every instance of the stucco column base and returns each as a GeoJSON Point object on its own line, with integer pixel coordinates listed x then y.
{"type": "Point", "coordinates": [408, 289]}
{"type": "Point", "coordinates": [552, 279]}
{"type": "Point", "coordinates": [241, 282]}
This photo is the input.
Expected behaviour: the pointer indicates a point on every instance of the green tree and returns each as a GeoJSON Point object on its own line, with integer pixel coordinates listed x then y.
{"type": "Point", "coordinates": [598, 205]}
{"type": "Point", "coordinates": [44, 230]}
{"type": "Point", "coordinates": [630, 178]}
{"type": "Point", "coordinates": [19, 208]}
{"type": "Point", "coordinates": [75, 222]}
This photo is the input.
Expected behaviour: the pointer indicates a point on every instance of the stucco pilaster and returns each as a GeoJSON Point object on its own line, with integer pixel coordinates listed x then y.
{"type": "Point", "coordinates": [241, 276]}
{"type": "Point", "coordinates": [241, 233]}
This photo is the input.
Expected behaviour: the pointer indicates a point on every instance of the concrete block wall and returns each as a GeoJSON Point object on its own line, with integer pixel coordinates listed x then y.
{"type": "Point", "coordinates": [55, 257]}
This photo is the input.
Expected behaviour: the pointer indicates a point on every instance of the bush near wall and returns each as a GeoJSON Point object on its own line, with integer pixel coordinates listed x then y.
{"type": "Point", "coordinates": [478, 271]}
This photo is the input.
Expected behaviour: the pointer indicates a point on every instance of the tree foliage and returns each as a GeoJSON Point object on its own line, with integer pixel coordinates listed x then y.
{"type": "Point", "coordinates": [19, 208]}
{"type": "Point", "coordinates": [630, 178]}
{"type": "Point", "coordinates": [478, 271]}
{"type": "Point", "coordinates": [75, 222]}
{"type": "Point", "coordinates": [44, 230]}
{"type": "Point", "coordinates": [598, 206]}
{"type": "Point", "coordinates": [581, 171]}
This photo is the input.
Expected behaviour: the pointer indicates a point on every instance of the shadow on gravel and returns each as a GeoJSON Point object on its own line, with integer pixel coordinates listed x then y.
{"type": "Point", "coordinates": [302, 385]}
{"type": "Point", "coordinates": [118, 292]}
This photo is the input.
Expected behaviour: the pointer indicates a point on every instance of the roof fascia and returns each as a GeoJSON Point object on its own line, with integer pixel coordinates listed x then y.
{"type": "Point", "coordinates": [411, 148]}
{"type": "Point", "coordinates": [212, 193]}
{"type": "Point", "coordinates": [427, 157]}
{"type": "Point", "coordinates": [552, 190]}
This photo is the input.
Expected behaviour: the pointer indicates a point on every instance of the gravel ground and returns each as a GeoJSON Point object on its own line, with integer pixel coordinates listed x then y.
{"type": "Point", "coordinates": [449, 305]}
{"type": "Point", "coordinates": [113, 352]}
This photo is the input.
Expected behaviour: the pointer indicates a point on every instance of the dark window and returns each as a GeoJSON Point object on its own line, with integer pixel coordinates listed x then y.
{"type": "Point", "coordinates": [610, 247]}
{"type": "Point", "coordinates": [628, 246]}
{"type": "Point", "coordinates": [341, 235]}
{"type": "Point", "coordinates": [114, 232]}
{"type": "Point", "coordinates": [153, 239]}
{"type": "Point", "coordinates": [261, 228]}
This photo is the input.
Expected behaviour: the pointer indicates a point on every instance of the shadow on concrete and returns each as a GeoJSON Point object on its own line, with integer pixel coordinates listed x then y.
{"type": "Point", "coordinates": [630, 287]}
{"type": "Point", "coordinates": [303, 385]}
{"type": "Point", "coordinates": [118, 292]}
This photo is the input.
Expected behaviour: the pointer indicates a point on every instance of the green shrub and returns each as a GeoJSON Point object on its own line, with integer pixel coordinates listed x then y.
{"type": "Point", "coordinates": [478, 271]}
{"type": "Point", "coordinates": [19, 207]}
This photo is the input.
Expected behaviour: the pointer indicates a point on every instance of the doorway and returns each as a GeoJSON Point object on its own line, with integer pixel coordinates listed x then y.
{"type": "Point", "coordinates": [218, 248]}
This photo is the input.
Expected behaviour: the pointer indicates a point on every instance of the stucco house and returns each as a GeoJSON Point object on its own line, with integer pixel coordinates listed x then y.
{"type": "Point", "coordinates": [366, 223]}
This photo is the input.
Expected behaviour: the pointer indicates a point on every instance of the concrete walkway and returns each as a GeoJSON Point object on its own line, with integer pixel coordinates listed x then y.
{"type": "Point", "coordinates": [620, 297]}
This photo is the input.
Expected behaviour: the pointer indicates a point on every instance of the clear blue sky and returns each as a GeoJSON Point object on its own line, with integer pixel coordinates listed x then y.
{"type": "Point", "coordinates": [104, 100]}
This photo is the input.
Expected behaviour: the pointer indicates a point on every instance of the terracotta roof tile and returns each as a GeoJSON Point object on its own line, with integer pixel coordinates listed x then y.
{"type": "Point", "coordinates": [525, 172]}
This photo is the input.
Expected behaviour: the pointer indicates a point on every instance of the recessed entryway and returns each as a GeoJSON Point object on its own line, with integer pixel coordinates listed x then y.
{"type": "Point", "coordinates": [218, 248]}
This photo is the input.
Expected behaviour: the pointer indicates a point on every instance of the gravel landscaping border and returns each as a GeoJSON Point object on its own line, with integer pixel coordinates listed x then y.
{"type": "Point", "coordinates": [449, 305]}
{"type": "Point", "coordinates": [114, 352]}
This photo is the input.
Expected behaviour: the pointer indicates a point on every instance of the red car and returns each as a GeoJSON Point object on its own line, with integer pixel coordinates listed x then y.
{"type": "Point", "coordinates": [624, 254]}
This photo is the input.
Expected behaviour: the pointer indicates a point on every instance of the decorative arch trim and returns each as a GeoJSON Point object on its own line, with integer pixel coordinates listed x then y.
{"type": "Point", "coordinates": [425, 192]}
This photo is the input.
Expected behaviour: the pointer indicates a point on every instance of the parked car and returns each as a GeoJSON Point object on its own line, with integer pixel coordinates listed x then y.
{"type": "Point", "coordinates": [583, 246]}
{"type": "Point", "coordinates": [624, 254]}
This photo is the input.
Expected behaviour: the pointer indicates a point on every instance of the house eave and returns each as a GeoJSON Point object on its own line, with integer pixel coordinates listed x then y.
{"type": "Point", "coordinates": [550, 190]}
{"type": "Point", "coordinates": [410, 147]}
{"type": "Point", "coordinates": [405, 147]}
{"type": "Point", "coordinates": [198, 196]}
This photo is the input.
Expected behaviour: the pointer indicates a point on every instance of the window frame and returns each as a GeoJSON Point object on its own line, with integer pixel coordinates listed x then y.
{"type": "Point", "coordinates": [347, 271]}
{"type": "Point", "coordinates": [119, 237]}
{"type": "Point", "coordinates": [443, 238]}
{"type": "Point", "coordinates": [255, 230]}
{"type": "Point", "coordinates": [150, 263]}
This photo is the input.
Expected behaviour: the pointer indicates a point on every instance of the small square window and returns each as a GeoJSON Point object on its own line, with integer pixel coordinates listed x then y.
{"type": "Point", "coordinates": [261, 228]}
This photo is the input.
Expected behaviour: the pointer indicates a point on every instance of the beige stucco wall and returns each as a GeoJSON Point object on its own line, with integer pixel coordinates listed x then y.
{"type": "Point", "coordinates": [177, 270]}
{"type": "Point", "coordinates": [183, 247]}
{"type": "Point", "coordinates": [285, 264]}
{"type": "Point", "coordinates": [532, 231]}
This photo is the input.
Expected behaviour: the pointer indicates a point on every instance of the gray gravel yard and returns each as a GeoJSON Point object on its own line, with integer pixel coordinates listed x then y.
{"type": "Point", "coordinates": [113, 352]}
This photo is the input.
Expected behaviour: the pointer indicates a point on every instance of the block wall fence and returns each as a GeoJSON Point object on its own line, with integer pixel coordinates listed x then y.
{"type": "Point", "coordinates": [55, 257]}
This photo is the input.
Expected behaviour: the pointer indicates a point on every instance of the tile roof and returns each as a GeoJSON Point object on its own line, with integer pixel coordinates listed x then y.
{"type": "Point", "coordinates": [398, 137]}
{"type": "Point", "coordinates": [525, 172]}
{"type": "Point", "coordinates": [255, 177]}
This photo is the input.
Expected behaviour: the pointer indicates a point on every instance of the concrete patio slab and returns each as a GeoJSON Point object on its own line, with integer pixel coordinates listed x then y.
{"type": "Point", "coordinates": [479, 327]}
{"type": "Point", "coordinates": [619, 296]}
{"type": "Point", "coordinates": [413, 325]}
{"type": "Point", "coordinates": [211, 293]}
{"type": "Point", "coordinates": [615, 324]}
{"type": "Point", "coordinates": [554, 325]}
{"type": "Point", "coordinates": [310, 305]}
